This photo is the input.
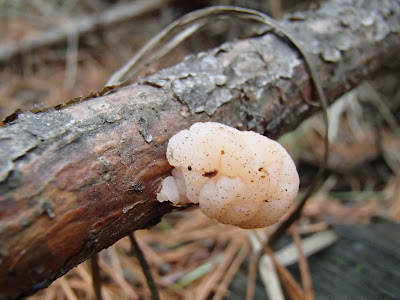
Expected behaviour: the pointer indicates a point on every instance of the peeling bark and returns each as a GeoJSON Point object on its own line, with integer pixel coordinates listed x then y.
{"type": "Point", "coordinates": [75, 180]}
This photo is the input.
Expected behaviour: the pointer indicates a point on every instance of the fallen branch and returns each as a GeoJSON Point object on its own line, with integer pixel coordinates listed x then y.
{"type": "Point", "coordinates": [75, 180]}
{"type": "Point", "coordinates": [80, 26]}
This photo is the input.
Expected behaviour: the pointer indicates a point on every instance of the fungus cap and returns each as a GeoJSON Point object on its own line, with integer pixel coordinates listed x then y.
{"type": "Point", "coordinates": [237, 177]}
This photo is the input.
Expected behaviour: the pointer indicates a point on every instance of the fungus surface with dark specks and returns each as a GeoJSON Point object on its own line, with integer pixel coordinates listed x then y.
{"type": "Point", "coordinates": [237, 177]}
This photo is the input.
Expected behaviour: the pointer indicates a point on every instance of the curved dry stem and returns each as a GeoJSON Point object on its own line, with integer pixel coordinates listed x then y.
{"type": "Point", "coordinates": [191, 22]}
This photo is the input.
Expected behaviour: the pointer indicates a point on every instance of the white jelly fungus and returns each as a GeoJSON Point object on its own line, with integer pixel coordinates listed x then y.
{"type": "Point", "coordinates": [237, 177]}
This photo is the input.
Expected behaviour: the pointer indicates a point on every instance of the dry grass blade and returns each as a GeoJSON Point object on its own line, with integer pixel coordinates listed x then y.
{"type": "Point", "coordinates": [114, 263]}
{"type": "Point", "coordinates": [209, 285]}
{"type": "Point", "coordinates": [231, 272]}
{"type": "Point", "coordinates": [120, 280]}
{"type": "Point", "coordinates": [303, 265]}
{"type": "Point", "coordinates": [291, 286]}
{"type": "Point", "coordinates": [200, 271]}
{"type": "Point", "coordinates": [270, 278]}
{"type": "Point", "coordinates": [310, 245]}
{"type": "Point", "coordinates": [153, 258]}
{"type": "Point", "coordinates": [266, 267]}
{"type": "Point", "coordinates": [83, 273]}
{"type": "Point", "coordinates": [293, 289]}
{"type": "Point", "coordinates": [108, 294]}
{"type": "Point", "coordinates": [50, 294]}
{"type": "Point", "coordinates": [86, 279]}
{"type": "Point", "coordinates": [65, 286]}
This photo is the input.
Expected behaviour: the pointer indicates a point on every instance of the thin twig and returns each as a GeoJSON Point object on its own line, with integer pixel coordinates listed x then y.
{"type": "Point", "coordinates": [80, 26]}
{"type": "Point", "coordinates": [145, 267]}
{"type": "Point", "coordinates": [96, 281]}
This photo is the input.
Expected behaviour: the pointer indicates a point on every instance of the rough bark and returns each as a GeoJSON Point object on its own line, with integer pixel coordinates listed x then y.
{"type": "Point", "coordinates": [75, 180]}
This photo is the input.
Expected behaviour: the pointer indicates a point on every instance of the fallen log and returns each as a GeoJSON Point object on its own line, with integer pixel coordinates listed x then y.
{"type": "Point", "coordinates": [76, 178]}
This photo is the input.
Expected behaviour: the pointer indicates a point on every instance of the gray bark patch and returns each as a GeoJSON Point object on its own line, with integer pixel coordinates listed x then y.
{"type": "Point", "coordinates": [25, 135]}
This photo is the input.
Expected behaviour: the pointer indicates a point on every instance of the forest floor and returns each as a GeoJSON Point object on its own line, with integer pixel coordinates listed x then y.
{"type": "Point", "coordinates": [191, 256]}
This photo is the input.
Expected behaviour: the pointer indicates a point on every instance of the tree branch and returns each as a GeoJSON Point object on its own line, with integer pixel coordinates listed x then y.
{"type": "Point", "coordinates": [76, 179]}
{"type": "Point", "coordinates": [79, 27]}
